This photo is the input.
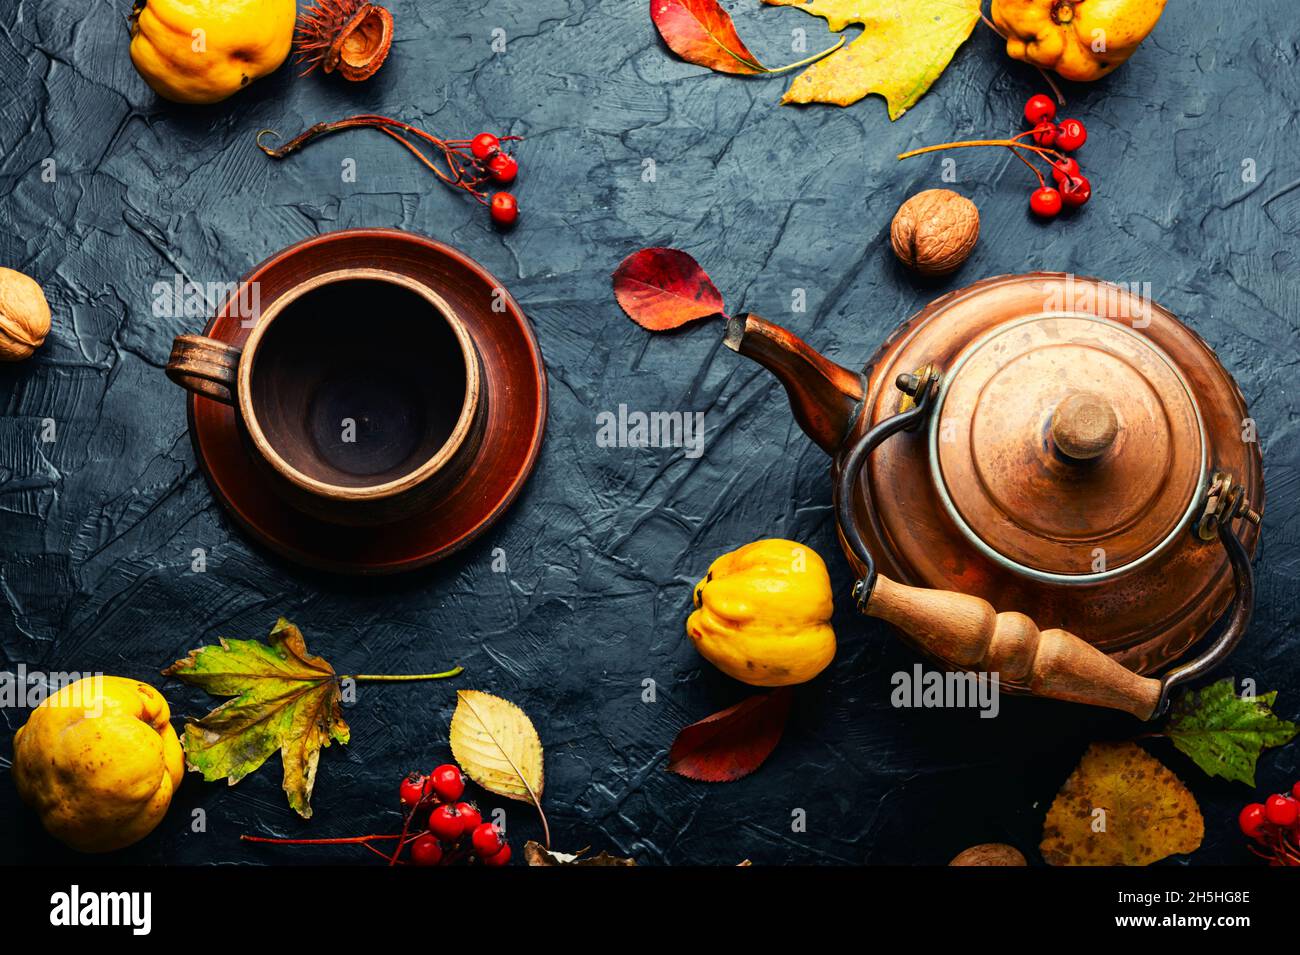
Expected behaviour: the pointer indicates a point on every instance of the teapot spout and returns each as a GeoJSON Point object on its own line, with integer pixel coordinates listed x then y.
{"type": "Point", "coordinates": [825, 397]}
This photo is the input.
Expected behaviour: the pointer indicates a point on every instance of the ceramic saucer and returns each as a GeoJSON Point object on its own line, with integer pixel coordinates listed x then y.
{"type": "Point", "coordinates": [515, 378]}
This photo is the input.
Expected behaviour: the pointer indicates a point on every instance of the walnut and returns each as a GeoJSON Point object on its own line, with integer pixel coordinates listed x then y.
{"type": "Point", "coordinates": [934, 231]}
{"type": "Point", "coordinates": [24, 316]}
{"type": "Point", "coordinates": [990, 853]}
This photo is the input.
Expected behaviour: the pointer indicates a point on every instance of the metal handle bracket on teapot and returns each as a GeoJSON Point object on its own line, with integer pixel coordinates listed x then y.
{"type": "Point", "coordinates": [967, 632]}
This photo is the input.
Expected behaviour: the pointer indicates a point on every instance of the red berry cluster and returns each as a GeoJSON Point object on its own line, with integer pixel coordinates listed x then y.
{"type": "Point", "coordinates": [453, 830]}
{"type": "Point", "coordinates": [437, 828]}
{"type": "Point", "coordinates": [1050, 141]}
{"type": "Point", "coordinates": [1072, 187]}
{"type": "Point", "coordinates": [501, 166]}
{"type": "Point", "coordinates": [465, 164]}
{"type": "Point", "coordinates": [1275, 825]}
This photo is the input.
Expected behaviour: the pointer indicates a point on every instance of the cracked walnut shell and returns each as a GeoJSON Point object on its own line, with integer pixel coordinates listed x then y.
{"type": "Point", "coordinates": [934, 231]}
{"type": "Point", "coordinates": [24, 316]}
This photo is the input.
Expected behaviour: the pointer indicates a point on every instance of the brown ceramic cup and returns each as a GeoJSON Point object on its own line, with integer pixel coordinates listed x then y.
{"type": "Point", "coordinates": [359, 393]}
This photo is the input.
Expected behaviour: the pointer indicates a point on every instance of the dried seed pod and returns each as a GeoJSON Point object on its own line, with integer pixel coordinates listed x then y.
{"type": "Point", "coordinates": [24, 316]}
{"type": "Point", "coordinates": [990, 853]}
{"type": "Point", "coordinates": [345, 35]}
{"type": "Point", "coordinates": [934, 231]}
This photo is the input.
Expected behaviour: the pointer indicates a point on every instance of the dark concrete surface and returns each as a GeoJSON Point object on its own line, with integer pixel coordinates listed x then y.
{"type": "Point", "coordinates": [97, 528]}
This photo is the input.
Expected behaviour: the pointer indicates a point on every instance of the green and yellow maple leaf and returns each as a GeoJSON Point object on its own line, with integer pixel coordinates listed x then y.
{"type": "Point", "coordinates": [1223, 733]}
{"type": "Point", "coordinates": [904, 47]}
{"type": "Point", "coordinates": [283, 699]}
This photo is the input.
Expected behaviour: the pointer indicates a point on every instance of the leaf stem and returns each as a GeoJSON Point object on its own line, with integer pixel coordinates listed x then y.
{"type": "Point", "coordinates": [754, 65]}
{"type": "Point", "coordinates": [402, 678]}
{"type": "Point", "coordinates": [804, 62]}
{"type": "Point", "coordinates": [546, 829]}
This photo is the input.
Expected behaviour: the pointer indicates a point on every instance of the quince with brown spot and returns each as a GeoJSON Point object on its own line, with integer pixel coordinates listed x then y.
{"type": "Point", "coordinates": [99, 761]}
{"type": "Point", "coordinates": [762, 614]}
{"type": "Point", "coordinates": [204, 51]}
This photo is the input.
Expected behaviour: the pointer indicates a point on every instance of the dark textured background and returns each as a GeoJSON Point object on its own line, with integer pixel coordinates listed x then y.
{"type": "Point", "coordinates": [604, 544]}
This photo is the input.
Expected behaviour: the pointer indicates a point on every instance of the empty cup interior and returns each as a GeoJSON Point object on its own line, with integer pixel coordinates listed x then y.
{"type": "Point", "coordinates": [358, 382]}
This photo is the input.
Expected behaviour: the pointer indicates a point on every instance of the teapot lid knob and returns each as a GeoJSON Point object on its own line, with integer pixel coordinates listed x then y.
{"type": "Point", "coordinates": [1084, 426]}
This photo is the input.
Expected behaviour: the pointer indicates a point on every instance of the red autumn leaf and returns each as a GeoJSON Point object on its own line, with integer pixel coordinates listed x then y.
{"type": "Point", "coordinates": [732, 744]}
{"type": "Point", "coordinates": [701, 32]}
{"type": "Point", "coordinates": [661, 289]}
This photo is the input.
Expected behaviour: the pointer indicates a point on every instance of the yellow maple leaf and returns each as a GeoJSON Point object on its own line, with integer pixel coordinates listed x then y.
{"type": "Point", "coordinates": [1121, 806]}
{"type": "Point", "coordinates": [904, 47]}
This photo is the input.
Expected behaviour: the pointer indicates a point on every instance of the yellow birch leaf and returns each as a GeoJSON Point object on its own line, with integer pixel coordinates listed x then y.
{"type": "Point", "coordinates": [1121, 806]}
{"type": "Point", "coordinates": [495, 744]}
{"type": "Point", "coordinates": [905, 46]}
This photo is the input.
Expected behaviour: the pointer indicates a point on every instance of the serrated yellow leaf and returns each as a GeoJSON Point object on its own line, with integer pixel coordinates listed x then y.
{"type": "Point", "coordinates": [904, 47]}
{"type": "Point", "coordinates": [496, 745]}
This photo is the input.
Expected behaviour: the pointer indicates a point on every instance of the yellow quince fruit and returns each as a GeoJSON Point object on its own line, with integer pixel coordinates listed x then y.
{"type": "Point", "coordinates": [763, 614]}
{"type": "Point", "coordinates": [1079, 39]}
{"type": "Point", "coordinates": [202, 51]}
{"type": "Point", "coordinates": [99, 761]}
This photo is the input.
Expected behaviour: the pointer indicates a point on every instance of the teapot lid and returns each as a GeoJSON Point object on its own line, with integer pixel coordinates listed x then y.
{"type": "Point", "coordinates": [1067, 447]}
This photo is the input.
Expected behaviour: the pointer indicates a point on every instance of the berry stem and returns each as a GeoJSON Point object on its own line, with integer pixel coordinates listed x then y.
{"type": "Point", "coordinates": [381, 854]}
{"type": "Point", "coordinates": [337, 841]}
{"type": "Point", "coordinates": [363, 841]}
{"type": "Point", "coordinates": [1281, 850]}
{"type": "Point", "coordinates": [420, 156]}
{"type": "Point", "coordinates": [1042, 183]}
{"type": "Point", "coordinates": [462, 170]}
{"type": "Point", "coordinates": [964, 144]}
{"type": "Point", "coordinates": [334, 841]}
{"type": "Point", "coordinates": [406, 827]}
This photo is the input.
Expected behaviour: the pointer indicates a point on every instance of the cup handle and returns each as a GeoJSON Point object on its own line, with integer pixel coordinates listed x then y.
{"type": "Point", "coordinates": [204, 366]}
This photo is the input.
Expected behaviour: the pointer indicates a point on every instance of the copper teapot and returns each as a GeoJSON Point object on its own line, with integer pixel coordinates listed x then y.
{"type": "Point", "coordinates": [1043, 476]}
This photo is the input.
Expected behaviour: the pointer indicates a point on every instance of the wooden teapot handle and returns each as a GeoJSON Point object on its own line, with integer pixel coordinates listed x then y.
{"type": "Point", "coordinates": [965, 631]}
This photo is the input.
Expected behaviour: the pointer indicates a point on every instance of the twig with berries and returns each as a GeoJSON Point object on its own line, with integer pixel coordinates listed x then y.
{"type": "Point", "coordinates": [1275, 826]}
{"type": "Point", "coordinates": [1048, 141]}
{"type": "Point", "coordinates": [438, 828]}
{"type": "Point", "coordinates": [466, 164]}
